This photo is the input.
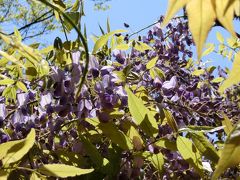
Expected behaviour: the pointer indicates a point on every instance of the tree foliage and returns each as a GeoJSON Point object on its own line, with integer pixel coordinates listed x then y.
{"type": "Point", "coordinates": [130, 108]}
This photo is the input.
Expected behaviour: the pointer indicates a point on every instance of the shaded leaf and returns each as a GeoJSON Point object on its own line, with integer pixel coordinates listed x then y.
{"type": "Point", "coordinates": [170, 120]}
{"type": "Point", "coordinates": [204, 146]}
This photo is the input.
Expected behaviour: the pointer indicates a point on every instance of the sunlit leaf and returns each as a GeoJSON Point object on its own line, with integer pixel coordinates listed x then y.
{"type": "Point", "coordinates": [7, 82]}
{"type": "Point", "coordinates": [15, 150]}
{"type": "Point", "coordinates": [220, 37]}
{"type": "Point", "coordinates": [152, 62]}
{"type": "Point", "coordinates": [233, 77]}
{"type": "Point", "coordinates": [173, 7]}
{"type": "Point", "coordinates": [142, 47]}
{"type": "Point", "coordinates": [217, 80]}
{"type": "Point", "coordinates": [228, 127]}
{"type": "Point", "coordinates": [225, 18]}
{"type": "Point", "coordinates": [210, 48]}
{"type": "Point", "coordinates": [21, 86]}
{"type": "Point", "coordinates": [141, 114]}
{"type": "Point", "coordinates": [157, 161]}
{"type": "Point", "coordinates": [62, 170]}
{"type": "Point", "coordinates": [104, 39]}
{"type": "Point", "coordinates": [229, 155]}
{"type": "Point", "coordinates": [201, 16]}
{"type": "Point", "coordinates": [190, 153]}
{"type": "Point", "coordinates": [198, 72]}
{"type": "Point", "coordinates": [135, 138]}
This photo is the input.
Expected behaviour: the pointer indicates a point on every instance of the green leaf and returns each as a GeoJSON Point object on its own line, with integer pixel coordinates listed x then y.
{"type": "Point", "coordinates": [152, 62]}
{"type": "Point", "coordinates": [170, 120]}
{"type": "Point", "coordinates": [141, 114]}
{"type": "Point", "coordinates": [228, 127]}
{"type": "Point", "coordinates": [210, 48]}
{"type": "Point", "coordinates": [62, 170]}
{"type": "Point", "coordinates": [198, 72]}
{"type": "Point", "coordinates": [201, 17]}
{"type": "Point", "coordinates": [142, 47]}
{"type": "Point", "coordinates": [157, 161]}
{"type": "Point", "coordinates": [122, 47]}
{"type": "Point", "coordinates": [116, 136]}
{"type": "Point", "coordinates": [34, 176]}
{"type": "Point", "coordinates": [15, 150]}
{"type": "Point", "coordinates": [204, 129]}
{"type": "Point", "coordinates": [135, 138]}
{"type": "Point", "coordinates": [190, 153]}
{"type": "Point", "coordinates": [75, 6]}
{"type": "Point", "coordinates": [167, 144]}
{"type": "Point", "coordinates": [7, 82]}
{"type": "Point", "coordinates": [233, 77]}
{"type": "Point", "coordinates": [104, 39]}
{"type": "Point", "coordinates": [217, 80]}
{"type": "Point", "coordinates": [74, 17]}
{"type": "Point", "coordinates": [204, 146]}
{"type": "Point", "coordinates": [220, 37]}
{"type": "Point", "coordinates": [92, 151]}
{"type": "Point", "coordinates": [22, 86]}
{"type": "Point", "coordinates": [229, 155]}
{"type": "Point", "coordinates": [173, 7]}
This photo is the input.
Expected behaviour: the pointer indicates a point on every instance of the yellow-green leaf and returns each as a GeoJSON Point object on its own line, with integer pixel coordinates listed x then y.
{"type": "Point", "coordinates": [11, 58]}
{"type": "Point", "coordinates": [6, 81]}
{"type": "Point", "coordinates": [201, 16]}
{"type": "Point", "coordinates": [220, 37]}
{"type": "Point", "coordinates": [229, 155]}
{"type": "Point", "coordinates": [204, 146]}
{"type": "Point", "coordinates": [15, 150]}
{"type": "Point", "coordinates": [142, 47]}
{"type": "Point", "coordinates": [122, 47]}
{"type": "Point", "coordinates": [198, 72]}
{"type": "Point", "coordinates": [190, 153]}
{"type": "Point", "coordinates": [210, 48]}
{"type": "Point", "coordinates": [233, 77]}
{"type": "Point", "coordinates": [225, 18]}
{"type": "Point", "coordinates": [152, 62]}
{"type": "Point", "coordinates": [116, 135]}
{"type": "Point", "coordinates": [217, 80]}
{"type": "Point", "coordinates": [104, 39]}
{"type": "Point", "coordinates": [157, 161]}
{"type": "Point", "coordinates": [167, 144]}
{"type": "Point", "coordinates": [228, 127]}
{"type": "Point", "coordinates": [141, 114]}
{"type": "Point", "coordinates": [22, 86]}
{"type": "Point", "coordinates": [62, 170]}
{"type": "Point", "coordinates": [170, 120]}
{"type": "Point", "coordinates": [173, 7]}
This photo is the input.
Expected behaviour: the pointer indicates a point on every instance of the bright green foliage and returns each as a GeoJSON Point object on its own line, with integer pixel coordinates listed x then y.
{"type": "Point", "coordinates": [229, 155]}
{"type": "Point", "coordinates": [62, 171]}
{"type": "Point", "coordinates": [233, 77]}
{"type": "Point", "coordinates": [14, 150]}
{"type": "Point", "coordinates": [190, 153]}
{"type": "Point", "coordinates": [104, 39]}
{"type": "Point", "coordinates": [141, 114]}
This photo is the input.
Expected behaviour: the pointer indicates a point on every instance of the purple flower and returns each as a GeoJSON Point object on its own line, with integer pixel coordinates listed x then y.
{"type": "Point", "coordinates": [172, 84]}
